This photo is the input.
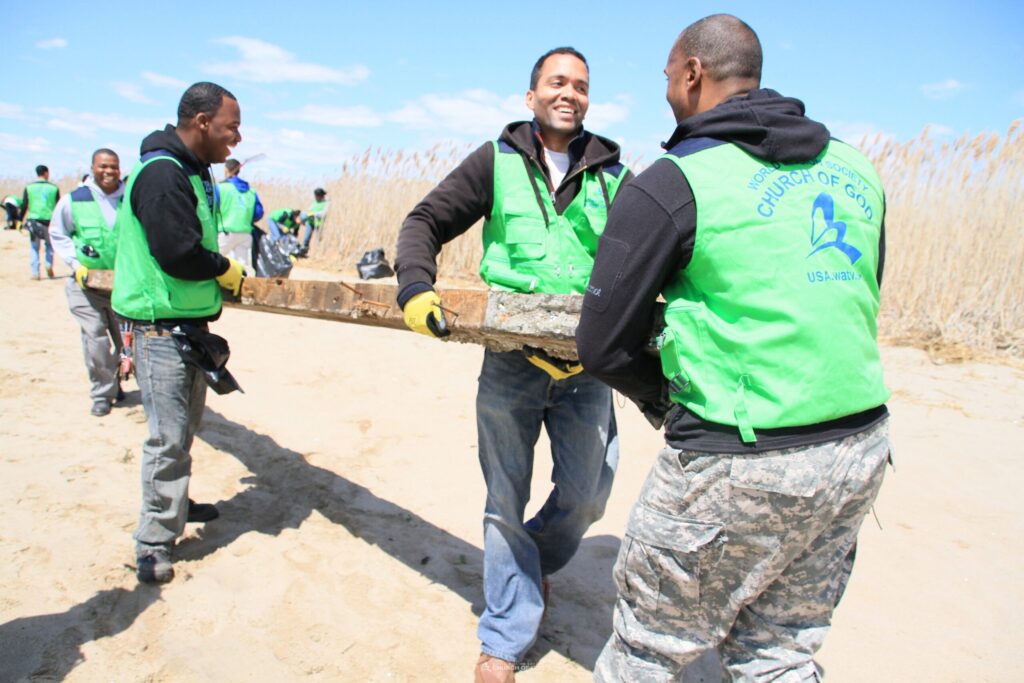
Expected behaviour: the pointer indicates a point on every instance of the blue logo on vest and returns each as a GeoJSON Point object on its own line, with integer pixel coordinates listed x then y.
{"type": "Point", "coordinates": [826, 204]}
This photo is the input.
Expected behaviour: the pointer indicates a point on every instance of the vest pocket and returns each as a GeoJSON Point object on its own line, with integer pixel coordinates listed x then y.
{"type": "Point", "coordinates": [525, 238]}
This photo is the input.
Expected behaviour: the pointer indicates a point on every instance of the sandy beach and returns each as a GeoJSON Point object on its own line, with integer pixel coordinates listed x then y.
{"type": "Point", "coordinates": [349, 542]}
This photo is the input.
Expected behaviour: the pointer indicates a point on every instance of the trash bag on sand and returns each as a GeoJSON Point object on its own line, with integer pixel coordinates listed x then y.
{"type": "Point", "coordinates": [374, 265]}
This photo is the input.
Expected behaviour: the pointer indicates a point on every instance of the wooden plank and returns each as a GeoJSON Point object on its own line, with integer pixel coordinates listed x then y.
{"type": "Point", "coordinates": [499, 320]}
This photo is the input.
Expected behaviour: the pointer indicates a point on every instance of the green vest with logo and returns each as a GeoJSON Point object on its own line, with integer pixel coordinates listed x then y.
{"type": "Point", "coordinates": [528, 246]}
{"type": "Point", "coordinates": [142, 290]}
{"type": "Point", "coordinates": [42, 197]}
{"type": "Point", "coordinates": [773, 322]}
{"type": "Point", "coordinates": [283, 217]}
{"type": "Point", "coordinates": [236, 208]}
{"type": "Point", "coordinates": [92, 234]}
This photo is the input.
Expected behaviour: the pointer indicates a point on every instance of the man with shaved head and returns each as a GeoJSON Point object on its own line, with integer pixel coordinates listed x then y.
{"type": "Point", "coordinates": [764, 236]}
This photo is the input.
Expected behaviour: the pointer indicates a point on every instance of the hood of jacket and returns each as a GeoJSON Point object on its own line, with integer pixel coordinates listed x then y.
{"type": "Point", "coordinates": [586, 148]}
{"type": "Point", "coordinates": [167, 139]}
{"type": "Point", "coordinates": [240, 185]}
{"type": "Point", "coordinates": [763, 123]}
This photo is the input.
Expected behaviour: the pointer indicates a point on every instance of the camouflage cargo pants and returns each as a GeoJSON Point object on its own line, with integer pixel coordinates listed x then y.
{"type": "Point", "coordinates": [747, 553]}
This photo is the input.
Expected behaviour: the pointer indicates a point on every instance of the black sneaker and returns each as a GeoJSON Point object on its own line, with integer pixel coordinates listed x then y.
{"type": "Point", "coordinates": [154, 566]}
{"type": "Point", "coordinates": [100, 407]}
{"type": "Point", "coordinates": [201, 512]}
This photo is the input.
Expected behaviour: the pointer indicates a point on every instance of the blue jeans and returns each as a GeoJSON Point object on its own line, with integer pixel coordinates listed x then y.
{"type": "Point", "coordinates": [34, 253]}
{"type": "Point", "coordinates": [308, 237]}
{"type": "Point", "coordinates": [513, 400]}
{"type": "Point", "coordinates": [275, 229]}
{"type": "Point", "coordinates": [173, 396]}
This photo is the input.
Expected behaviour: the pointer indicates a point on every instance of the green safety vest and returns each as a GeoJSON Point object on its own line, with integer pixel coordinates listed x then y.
{"type": "Point", "coordinates": [773, 322]}
{"type": "Point", "coordinates": [142, 290]}
{"type": "Point", "coordinates": [13, 199]}
{"type": "Point", "coordinates": [236, 208]}
{"type": "Point", "coordinates": [42, 197]}
{"type": "Point", "coordinates": [283, 217]}
{"type": "Point", "coordinates": [528, 246]}
{"type": "Point", "coordinates": [315, 208]}
{"type": "Point", "coordinates": [91, 230]}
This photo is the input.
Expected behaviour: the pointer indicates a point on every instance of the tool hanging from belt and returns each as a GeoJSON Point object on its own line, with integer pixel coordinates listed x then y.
{"type": "Point", "coordinates": [127, 362]}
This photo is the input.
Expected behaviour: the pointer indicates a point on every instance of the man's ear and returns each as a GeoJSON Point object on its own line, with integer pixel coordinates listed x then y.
{"type": "Point", "coordinates": [529, 99]}
{"type": "Point", "coordinates": [202, 121]}
{"type": "Point", "coordinates": [694, 71]}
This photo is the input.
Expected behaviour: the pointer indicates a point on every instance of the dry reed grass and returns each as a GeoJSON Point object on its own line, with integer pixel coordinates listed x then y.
{"type": "Point", "coordinates": [954, 274]}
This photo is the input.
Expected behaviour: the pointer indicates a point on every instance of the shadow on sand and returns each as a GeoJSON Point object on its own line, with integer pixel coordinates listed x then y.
{"type": "Point", "coordinates": [284, 489]}
{"type": "Point", "coordinates": [48, 646]}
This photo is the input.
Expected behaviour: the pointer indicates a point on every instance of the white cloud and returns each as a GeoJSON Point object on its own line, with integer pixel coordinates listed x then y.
{"type": "Point", "coordinates": [162, 81]}
{"type": "Point", "coordinates": [88, 124]}
{"type": "Point", "coordinates": [264, 62]}
{"type": "Point", "coordinates": [858, 133]}
{"type": "Point", "coordinates": [481, 112]}
{"type": "Point", "coordinates": [601, 116]}
{"type": "Point", "coordinates": [937, 130]}
{"type": "Point", "coordinates": [12, 111]}
{"type": "Point", "coordinates": [472, 112]}
{"type": "Point", "coordinates": [293, 153]}
{"type": "Point", "coordinates": [131, 92]}
{"type": "Point", "coordinates": [20, 143]}
{"type": "Point", "coordinates": [942, 90]}
{"type": "Point", "coordinates": [361, 117]}
{"type": "Point", "coordinates": [51, 43]}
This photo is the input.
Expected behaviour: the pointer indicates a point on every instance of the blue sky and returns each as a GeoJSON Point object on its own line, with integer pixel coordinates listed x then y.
{"type": "Point", "coordinates": [320, 82]}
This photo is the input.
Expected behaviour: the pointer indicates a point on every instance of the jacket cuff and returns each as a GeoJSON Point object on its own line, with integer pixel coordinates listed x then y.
{"type": "Point", "coordinates": [410, 290]}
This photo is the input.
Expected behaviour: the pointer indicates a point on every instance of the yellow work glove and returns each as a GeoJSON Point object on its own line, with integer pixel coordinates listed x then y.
{"type": "Point", "coordinates": [558, 368]}
{"type": "Point", "coordinates": [423, 314]}
{"type": "Point", "coordinates": [81, 275]}
{"type": "Point", "coordinates": [231, 279]}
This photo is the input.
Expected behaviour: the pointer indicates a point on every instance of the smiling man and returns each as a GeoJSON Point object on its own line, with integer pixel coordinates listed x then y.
{"type": "Point", "coordinates": [167, 273]}
{"type": "Point", "coordinates": [543, 189]}
{"type": "Point", "coordinates": [83, 233]}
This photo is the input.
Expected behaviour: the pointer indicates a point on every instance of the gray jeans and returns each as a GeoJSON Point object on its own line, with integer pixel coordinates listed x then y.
{"type": "Point", "coordinates": [173, 395]}
{"type": "Point", "coordinates": [746, 553]}
{"type": "Point", "coordinates": [101, 338]}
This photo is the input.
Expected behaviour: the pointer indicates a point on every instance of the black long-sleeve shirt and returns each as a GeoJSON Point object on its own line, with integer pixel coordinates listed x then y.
{"type": "Point", "coordinates": [649, 238]}
{"type": "Point", "coordinates": [165, 203]}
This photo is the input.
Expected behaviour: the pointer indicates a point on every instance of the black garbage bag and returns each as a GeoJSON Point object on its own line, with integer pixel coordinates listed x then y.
{"type": "Point", "coordinates": [208, 352]}
{"type": "Point", "coordinates": [289, 244]}
{"type": "Point", "coordinates": [374, 265]}
{"type": "Point", "coordinates": [269, 259]}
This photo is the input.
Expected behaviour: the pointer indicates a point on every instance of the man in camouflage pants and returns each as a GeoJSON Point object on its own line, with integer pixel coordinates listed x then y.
{"type": "Point", "coordinates": [765, 237]}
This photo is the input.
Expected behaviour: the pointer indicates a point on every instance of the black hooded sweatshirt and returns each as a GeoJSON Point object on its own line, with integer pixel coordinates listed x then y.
{"type": "Point", "coordinates": [165, 203]}
{"type": "Point", "coordinates": [649, 238]}
{"type": "Point", "coordinates": [467, 194]}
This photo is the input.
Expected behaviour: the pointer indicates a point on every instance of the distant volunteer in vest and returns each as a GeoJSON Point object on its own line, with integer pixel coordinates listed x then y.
{"type": "Point", "coordinates": [37, 204]}
{"type": "Point", "coordinates": [284, 221]}
{"type": "Point", "coordinates": [240, 207]}
{"type": "Point", "coordinates": [83, 230]}
{"type": "Point", "coordinates": [769, 382]}
{"type": "Point", "coordinates": [168, 274]}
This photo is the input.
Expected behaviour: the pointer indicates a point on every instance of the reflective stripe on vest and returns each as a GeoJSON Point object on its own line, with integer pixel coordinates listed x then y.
{"type": "Point", "coordinates": [42, 197]}
{"type": "Point", "coordinates": [528, 246]}
{"type": "Point", "coordinates": [773, 322]}
{"type": "Point", "coordinates": [92, 231]}
{"type": "Point", "coordinates": [142, 290]}
{"type": "Point", "coordinates": [236, 208]}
